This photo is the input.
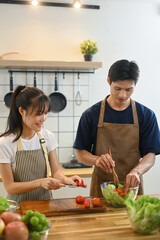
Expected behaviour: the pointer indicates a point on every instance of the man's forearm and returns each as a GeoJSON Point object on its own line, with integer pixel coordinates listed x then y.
{"type": "Point", "coordinates": [145, 164]}
{"type": "Point", "coordinates": [86, 157]}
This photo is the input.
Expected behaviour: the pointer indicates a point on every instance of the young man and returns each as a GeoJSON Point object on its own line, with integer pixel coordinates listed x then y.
{"type": "Point", "coordinates": [127, 127]}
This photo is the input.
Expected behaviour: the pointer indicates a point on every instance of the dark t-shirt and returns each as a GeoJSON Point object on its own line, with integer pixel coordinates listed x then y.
{"type": "Point", "coordinates": [149, 134]}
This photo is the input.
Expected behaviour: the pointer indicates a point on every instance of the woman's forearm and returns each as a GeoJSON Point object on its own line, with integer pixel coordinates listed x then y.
{"type": "Point", "coordinates": [22, 187]}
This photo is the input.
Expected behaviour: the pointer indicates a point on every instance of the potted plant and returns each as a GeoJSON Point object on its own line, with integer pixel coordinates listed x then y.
{"type": "Point", "coordinates": [88, 48]}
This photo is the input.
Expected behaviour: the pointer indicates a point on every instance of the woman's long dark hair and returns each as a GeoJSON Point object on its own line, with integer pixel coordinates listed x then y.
{"type": "Point", "coordinates": [24, 97]}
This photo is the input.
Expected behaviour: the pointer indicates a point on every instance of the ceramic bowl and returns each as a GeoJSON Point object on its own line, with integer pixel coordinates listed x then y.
{"type": "Point", "coordinates": [113, 197]}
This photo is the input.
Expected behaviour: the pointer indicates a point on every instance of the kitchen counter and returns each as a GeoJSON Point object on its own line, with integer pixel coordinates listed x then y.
{"type": "Point", "coordinates": [112, 224]}
{"type": "Point", "coordinates": [82, 172]}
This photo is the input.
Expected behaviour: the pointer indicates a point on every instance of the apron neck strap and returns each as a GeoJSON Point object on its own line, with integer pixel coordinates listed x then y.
{"type": "Point", "coordinates": [135, 116]}
{"type": "Point", "coordinates": [43, 146]}
{"type": "Point", "coordinates": [19, 145]}
{"type": "Point", "coordinates": [101, 116]}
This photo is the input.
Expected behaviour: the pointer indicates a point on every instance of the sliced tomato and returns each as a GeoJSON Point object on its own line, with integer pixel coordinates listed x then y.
{"type": "Point", "coordinates": [80, 184]}
{"type": "Point", "coordinates": [120, 191]}
{"type": "Point", "coordinates": [95, 202]}
{"type": "Point", "coordinates": [121, 194]}
{"type": "Point", "coordinates": [80, 199]}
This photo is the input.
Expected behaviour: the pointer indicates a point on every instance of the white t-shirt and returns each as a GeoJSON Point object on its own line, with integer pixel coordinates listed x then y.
{"type": "Point", "coordinates": [8, 148]}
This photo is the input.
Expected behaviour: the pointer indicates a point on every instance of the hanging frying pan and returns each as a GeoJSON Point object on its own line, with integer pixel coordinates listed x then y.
{"type": "Point", "coordinates": [58, 100]}
{"type": "Point", "coordinates": [8, 96]}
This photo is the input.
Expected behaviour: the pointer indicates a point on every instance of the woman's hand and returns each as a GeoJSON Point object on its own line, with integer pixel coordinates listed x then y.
{"type": "Point", "coordinates": [105, 162]}
{"type": "Point", "coordinates": [50, 183]}
{"type": "Point", "coordinates": [72, 180]}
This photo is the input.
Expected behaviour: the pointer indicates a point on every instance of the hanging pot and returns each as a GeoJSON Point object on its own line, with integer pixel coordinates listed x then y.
{"type": "Point", "coordinates": [8, 96]}
{"type": "Point", "coordinates": [58, 100]}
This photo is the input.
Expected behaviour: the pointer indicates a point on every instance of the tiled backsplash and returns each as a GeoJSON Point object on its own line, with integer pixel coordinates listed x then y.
{"type": "Point", "coordinates": [63, 124]}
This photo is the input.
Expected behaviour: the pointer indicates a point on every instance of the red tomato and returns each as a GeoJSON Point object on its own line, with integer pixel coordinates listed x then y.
{"type": "Point", "coordinates": [95, 202]}
{"type": "Point", "coordinates": [86, 203]}
{"type": "Point", "coordinates": [84, 185]}
{"type": "Point", "coordinates": [80, 199]}
{"type": "Point", "coordinates": [121, 194]}
{"type": "Point", "coordinates": [120, 191]}
{"type": "Point", "coordinates": [80, 184]}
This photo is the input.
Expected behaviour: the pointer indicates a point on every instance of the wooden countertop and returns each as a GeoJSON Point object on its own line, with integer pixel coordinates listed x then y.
{"type": "Point", "coordinates": [82, 172]}
{"type": "Point", "coordinates": [112, 224]}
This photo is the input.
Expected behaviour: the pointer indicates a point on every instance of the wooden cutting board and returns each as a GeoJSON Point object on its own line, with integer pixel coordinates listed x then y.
{"type": "Point", "coordinates": [55, 207]}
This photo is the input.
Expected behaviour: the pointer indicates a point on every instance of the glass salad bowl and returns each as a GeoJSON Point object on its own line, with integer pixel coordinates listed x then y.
{"type": "Point", "coordinates": [117, 196]}
{"type": "Point", "coordinates": [42, 235]}
{"type": "Point", "coordinates": [8, 205]}
{"type": "Point", "coordinates": [144, 214]}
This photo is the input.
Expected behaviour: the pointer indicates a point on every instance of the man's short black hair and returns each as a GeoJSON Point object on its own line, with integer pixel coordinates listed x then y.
{"type": "Point", "coordinates": [124, 70]}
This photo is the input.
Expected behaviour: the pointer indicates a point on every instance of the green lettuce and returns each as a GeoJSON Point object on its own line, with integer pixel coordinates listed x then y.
{"type": "Point", "coordinates": [4, 204]}
{"type": "Point", "coordinates": [144, 214]}
{"type": "Point", "coordinates": [113, 197]}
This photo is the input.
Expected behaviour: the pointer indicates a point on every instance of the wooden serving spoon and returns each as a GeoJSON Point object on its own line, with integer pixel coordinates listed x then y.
{"type": "Point", "coordinates": [115, 177]}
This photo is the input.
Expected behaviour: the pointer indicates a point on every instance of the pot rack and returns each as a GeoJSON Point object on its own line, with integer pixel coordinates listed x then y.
{"type": "Point", "coordinates": [52, 71]}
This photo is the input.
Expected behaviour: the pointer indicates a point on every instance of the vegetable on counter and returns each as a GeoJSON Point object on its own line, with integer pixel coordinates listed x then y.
{"type": "Point", "coordinates": [86, 203]}
{"type": "Point", "coordinates": [80, 199]}
{"type": "Point", "coordinates": [144, 214]}
{"type": "Point", "coordinates": [95, 202]}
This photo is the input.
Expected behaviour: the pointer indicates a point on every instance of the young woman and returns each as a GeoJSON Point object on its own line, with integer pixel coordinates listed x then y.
{"type": "Point", "coordinates": [27, 150]}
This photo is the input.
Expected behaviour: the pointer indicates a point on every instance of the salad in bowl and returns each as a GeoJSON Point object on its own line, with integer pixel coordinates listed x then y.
{"type": "Point", "coordinates": [117, 196]}
{"type": "Point", "coordinates": [144, 214]}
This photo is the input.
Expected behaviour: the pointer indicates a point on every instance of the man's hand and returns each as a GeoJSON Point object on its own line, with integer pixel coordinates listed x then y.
{"type": "Point", "coordinates": [105, 162]}
{"type": "Point", "coordinates": [132, 179]}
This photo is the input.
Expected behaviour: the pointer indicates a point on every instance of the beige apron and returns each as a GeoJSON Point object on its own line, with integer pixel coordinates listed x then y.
{"type": "Point", "coordinates": [123, 140]}
{"type": "Point", "coordinates": [31, 165]}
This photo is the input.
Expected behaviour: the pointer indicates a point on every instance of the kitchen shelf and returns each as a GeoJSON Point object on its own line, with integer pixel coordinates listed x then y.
{"type": "Point", "coordinates": [24, 64]}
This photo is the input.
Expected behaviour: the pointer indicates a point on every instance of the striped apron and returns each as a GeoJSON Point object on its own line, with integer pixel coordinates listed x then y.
{"type": "Point", "coordinates": [31, 165]}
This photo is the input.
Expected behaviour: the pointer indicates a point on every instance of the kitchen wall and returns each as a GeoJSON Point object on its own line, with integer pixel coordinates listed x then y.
{"type": "Point", "coordinates": [122, 28]}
